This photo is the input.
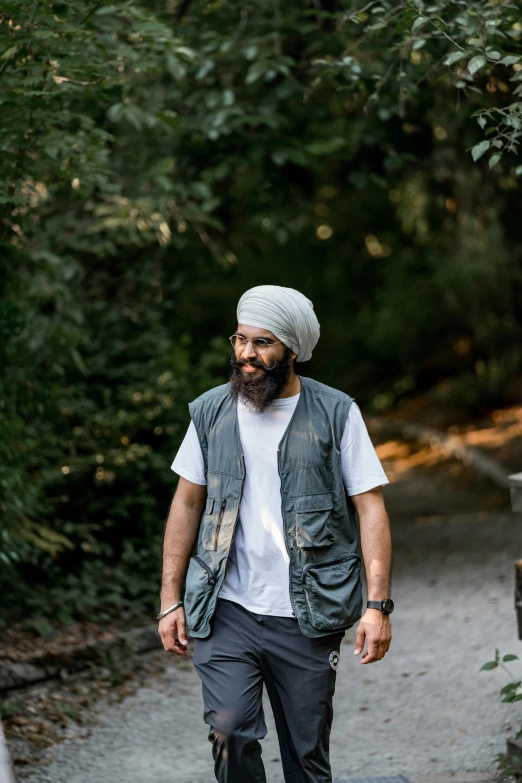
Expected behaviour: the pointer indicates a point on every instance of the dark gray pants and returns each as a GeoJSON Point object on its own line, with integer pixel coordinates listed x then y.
{"type": "Point", "coordinates": [243, 651]}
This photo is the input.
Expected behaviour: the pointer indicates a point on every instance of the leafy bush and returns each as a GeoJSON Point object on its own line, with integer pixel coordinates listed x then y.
{"type": "Point", "coordinates": [155, 163]}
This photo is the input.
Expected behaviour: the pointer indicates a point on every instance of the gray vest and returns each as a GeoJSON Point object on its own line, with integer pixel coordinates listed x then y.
{"type": "Point", "coordinates": [320, 523]}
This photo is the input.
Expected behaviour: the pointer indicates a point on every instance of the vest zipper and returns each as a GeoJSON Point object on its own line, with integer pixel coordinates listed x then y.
{"type": "Point", "coordinates": [334, 560]}
{"type": "Point", "coordinates": [210, 575]}
{"type": "Point", "coordinates": [220, 520]}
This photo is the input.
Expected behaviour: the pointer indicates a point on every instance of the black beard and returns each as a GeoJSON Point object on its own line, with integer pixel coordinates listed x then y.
{"type": "Point", "coordinates": [259, 392]}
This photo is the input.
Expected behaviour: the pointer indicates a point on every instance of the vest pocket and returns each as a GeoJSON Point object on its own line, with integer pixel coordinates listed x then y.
{"type": "Point", "coordinates": [333, 592]}
{"type": "Point", "coordinates": [198, 589]}
{"type": "Point", "coordinates": [211, 523]}
{"type": "Point", "coordinates": [208, 524]}
{"type": "Point", "coordinates": [312, 515]}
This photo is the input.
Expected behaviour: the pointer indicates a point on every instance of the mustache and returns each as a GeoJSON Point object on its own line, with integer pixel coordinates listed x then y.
{"type": "Point", "coordinates": [260, 390]}
{"type": "Point", "coordinates": [257, 363]}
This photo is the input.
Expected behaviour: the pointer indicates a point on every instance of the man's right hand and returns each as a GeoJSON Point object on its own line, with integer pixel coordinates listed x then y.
{"type": "Point", "coordinates": [172, 629]}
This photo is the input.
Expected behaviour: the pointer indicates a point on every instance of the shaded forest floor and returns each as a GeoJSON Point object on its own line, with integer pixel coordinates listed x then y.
{"type": "Point", "coordinates": [425, 485]}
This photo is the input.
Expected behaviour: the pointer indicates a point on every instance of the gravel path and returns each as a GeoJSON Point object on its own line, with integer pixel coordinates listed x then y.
{"type": "Point", "coordinates": [424, 709]}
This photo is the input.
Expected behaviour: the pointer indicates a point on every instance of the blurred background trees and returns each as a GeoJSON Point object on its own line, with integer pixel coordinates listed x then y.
{"type": "Point", "coordinates": [159, 158]}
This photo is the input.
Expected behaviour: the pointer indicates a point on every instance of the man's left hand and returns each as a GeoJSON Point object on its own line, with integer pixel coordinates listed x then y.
{"type": "Point", "coordinates": [375, 628]}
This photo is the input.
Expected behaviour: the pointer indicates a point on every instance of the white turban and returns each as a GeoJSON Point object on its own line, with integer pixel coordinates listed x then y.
{"type": "Point", "coordinates": [283, 311]}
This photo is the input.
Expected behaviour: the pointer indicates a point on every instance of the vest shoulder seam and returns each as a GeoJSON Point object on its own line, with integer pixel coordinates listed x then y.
{"type": "Point", "coordinates": [322, 388]}
{"type": "Point", "coordinates": [336, 395]}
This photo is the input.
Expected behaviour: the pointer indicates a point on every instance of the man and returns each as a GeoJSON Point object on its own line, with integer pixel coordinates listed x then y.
{"type": "Point", "coordinates": [274, 471]}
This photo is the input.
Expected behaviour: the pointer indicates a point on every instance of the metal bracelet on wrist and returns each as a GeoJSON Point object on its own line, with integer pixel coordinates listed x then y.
{"type": "Point", "coordinates": [170, 609]}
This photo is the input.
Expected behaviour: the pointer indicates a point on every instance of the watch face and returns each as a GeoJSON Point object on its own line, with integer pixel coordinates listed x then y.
{"type": "Point", "coordinates": [387, 606]}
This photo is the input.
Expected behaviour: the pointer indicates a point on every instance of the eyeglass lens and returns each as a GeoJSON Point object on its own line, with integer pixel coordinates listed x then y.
{"type": "Point", "coordinates": [259, 344]}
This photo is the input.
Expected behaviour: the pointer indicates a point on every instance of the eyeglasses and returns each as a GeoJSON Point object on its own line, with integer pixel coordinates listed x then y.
{"type": "Point", "coordinates": [259, 344]}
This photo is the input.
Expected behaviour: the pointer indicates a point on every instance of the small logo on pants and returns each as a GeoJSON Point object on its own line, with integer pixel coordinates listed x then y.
{"type": "Point", "coordinates": [334, 659]}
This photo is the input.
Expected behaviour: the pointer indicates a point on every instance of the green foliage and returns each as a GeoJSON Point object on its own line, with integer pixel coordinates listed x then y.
{"type": "Point", "coordinates": [8, 709]}
{"type": "Point", "coordinates": [508, 692]}
{"type": "Point", "coordinates": [40, 625]}
{"type": "Point", "coordinates": [115, 664]}
{"type": "Point", "coordinates": [158, 161]}
{"type": "Point", "coordinates": [509, 767]}
{"type": "Point", "coordinates": [470, 48]}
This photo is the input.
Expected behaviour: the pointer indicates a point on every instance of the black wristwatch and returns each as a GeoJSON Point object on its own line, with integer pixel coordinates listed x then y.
{"type": "Point", "coordinates": [386, 606]}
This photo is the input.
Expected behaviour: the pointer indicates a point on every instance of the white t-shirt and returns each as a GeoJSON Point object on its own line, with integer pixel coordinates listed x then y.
{"type": "Point", "coordinates": [257, 575]}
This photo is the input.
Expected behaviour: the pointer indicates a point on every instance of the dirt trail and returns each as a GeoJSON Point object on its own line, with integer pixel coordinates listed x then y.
{"type": "Point", "coordinates": [425, 709]}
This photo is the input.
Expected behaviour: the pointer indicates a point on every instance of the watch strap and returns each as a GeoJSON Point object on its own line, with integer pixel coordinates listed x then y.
{"type": "Point", "coordinates": [374, 605]}
{"type": "Point", "coordinates": [385, 606]}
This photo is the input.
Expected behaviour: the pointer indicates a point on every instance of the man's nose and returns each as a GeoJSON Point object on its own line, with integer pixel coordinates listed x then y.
{"type": "Point", "coordinates": [248, 351]}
